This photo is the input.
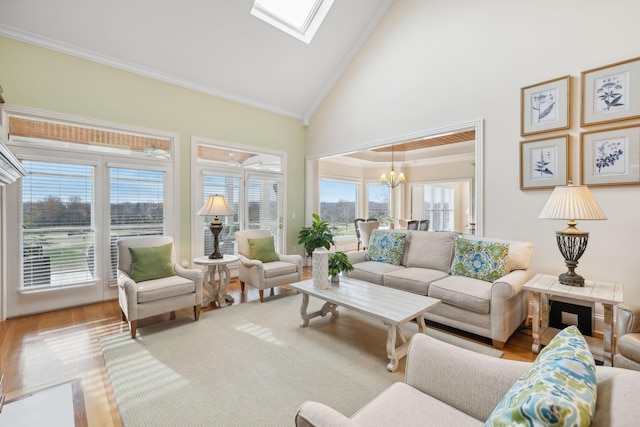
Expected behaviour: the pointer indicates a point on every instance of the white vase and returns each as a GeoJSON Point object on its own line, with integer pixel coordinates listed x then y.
{"type": "Point", "coordinates": [320, 268]}
{"type": "Point", "coordinates": [335, 278]}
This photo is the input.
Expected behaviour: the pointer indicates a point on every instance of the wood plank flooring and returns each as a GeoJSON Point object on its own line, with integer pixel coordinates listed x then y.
{"type": "Point", "coordinates": [51, 348]}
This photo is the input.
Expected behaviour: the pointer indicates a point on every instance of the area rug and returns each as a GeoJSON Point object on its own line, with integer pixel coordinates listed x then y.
{"type": "Point", "coordinates": [249, 364]}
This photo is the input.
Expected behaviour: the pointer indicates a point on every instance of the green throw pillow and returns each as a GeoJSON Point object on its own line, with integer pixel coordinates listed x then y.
{"type": "Point", "coordinates": [386, 246]}
{"type": "Point", "coordinates": [558, 390]}
{"type": "Point", "coordinates": [478, 259]}
{"type": "Point", "coordinates": [263, 249]}
{"type": "Point", "coordinates": [149, 263]}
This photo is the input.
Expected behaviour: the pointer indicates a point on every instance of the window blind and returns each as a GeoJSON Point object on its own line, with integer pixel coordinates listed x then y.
{"type": "Point", "coordinates": [57, 224]}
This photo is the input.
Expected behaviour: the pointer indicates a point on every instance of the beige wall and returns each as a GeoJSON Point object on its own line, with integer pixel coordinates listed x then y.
{"type": "Point", "coordinates": [42, 79]}
{"type": "Point", "coordinates": [431, 64]}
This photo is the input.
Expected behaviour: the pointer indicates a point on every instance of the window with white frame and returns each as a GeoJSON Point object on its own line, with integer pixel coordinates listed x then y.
{"type": "Point", "coordinates": [86, 188]}
{"type": "Point", "coordinates": [439, 208]}
{"type": "Point", "coordinates": [378, 201]}
{"type": "Point", "coordinates": [338, 205]}
{"type": "Point", "coordinates": [253, 185]}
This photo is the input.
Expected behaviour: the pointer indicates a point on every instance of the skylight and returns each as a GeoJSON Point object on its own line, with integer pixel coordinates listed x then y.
{"type": "Point", "coordinates": [298, 18]}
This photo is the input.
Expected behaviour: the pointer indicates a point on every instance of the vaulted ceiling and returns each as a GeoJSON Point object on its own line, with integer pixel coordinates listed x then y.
{"type": "Point", "coordinates": [213, 46]}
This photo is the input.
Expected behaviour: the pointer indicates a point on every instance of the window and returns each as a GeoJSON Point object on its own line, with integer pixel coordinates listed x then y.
{"type": "Point", "coordinates": [338, 205]}
{"type": "Point", "coordinates": [439, 208]}
{"type": "Point", "coordinates": [298, 18]}
{"type": "Point", "coordinates": [57, 224]}
{"type": "Point", "coordinates": [378, 201]}
{"type": "Point", "coordinates": [136, 207]}
{"type": "Point", "coordinates": [251, 181]}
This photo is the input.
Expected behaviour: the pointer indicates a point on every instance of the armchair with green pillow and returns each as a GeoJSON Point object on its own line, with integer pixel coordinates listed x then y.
{"type": "Point", "coordinates": [261, 266]}
{"type": "Point", "coordinates": [150, 282]}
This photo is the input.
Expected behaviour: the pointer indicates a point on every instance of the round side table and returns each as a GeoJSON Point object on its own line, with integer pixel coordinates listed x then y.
{"type": "Point", "coordinates": [218, 293]}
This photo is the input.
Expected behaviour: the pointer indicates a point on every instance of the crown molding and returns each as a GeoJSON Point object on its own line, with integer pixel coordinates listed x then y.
{"type": "Point", "coordinates": [78, 52]}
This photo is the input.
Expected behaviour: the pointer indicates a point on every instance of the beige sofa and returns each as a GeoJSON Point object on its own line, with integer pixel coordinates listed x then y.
{"type": "Point", "coordinates": [489, 309]}
{"type": "Point", "coordinates": [447, 385]}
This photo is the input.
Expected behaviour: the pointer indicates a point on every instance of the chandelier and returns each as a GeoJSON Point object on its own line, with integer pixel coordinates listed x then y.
{"type": "Point", "coordinates": [392, 180]}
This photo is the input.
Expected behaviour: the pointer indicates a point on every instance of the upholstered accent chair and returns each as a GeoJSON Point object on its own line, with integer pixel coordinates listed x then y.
{"type": "Point", "coordinates": [356, 223]}
{"type": "Point", "coordinates": [423, 225]}
{"type": "Point", "coordinates": [150, 282]}
{"type": "Point", "coordinates": [627, 354]}
{"type": "Point", "coordinates": [366, 228]}
{"type": "Point", "coordinates": [413, 224]}
{"type": "Point", "coordinates": [264, 270]}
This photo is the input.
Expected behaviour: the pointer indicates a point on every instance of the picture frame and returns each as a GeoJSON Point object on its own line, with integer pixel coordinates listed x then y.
{"type": "Point", "coordinates": [610, 93]}
{"type": "Point", "coordinates": [544, 163]}
{"type": "Point", "coordinates": [545, 106]}
{"type": "Point", "coordinates": [610, 156]}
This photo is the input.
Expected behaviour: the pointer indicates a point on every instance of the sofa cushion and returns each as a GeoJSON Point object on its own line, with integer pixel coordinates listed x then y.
{"type": "Point", "coordinates": [430, 250]}
{"type": "Point", "coordinates": [278, 268]}
{"type": "Point", "coordinates": [386, 246]}
{"type": "Point", "coordinates": [154, 262]}
{"type": "Point", "coordinates": [403, 405]}
{"type": "Point", "coordinates": [558, 390]}
{"type": "Point", "coordinates": [479, 259]}
{"type": "Point", "coordinates": [372, 271]}
{"type": "Point", "coordinates": [414, 280]}
{"type": "Point", "coordinates": [464, 292]}
{"type": "Point", "coordinates": [166, 287]}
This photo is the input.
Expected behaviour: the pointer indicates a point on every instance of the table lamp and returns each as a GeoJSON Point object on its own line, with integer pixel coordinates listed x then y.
{"type": "Point", "coordinates": [216, 205]}
{"type": "Point", "coordinates": [572, 202]}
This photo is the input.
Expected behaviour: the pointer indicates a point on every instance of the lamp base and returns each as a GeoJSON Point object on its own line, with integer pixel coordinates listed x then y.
{"type": "Point", "coordinates": [572, 244]}
{"type": "Point", "coordinates": [216, 228]}
{"type": "Point", "coordinates": [570, 278]}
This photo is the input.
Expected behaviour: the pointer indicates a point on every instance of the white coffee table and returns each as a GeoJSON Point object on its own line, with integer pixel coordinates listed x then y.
{"type": "Point", "coordinates": [392, 306]}
{"type": "Point", "coordinates": [222, 265]}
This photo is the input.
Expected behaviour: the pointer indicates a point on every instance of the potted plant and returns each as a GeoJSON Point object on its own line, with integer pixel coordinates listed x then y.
{"type": "Point", "coordinates": [338, 262]}
{"type": "Point", "coordinates": [319, 235]}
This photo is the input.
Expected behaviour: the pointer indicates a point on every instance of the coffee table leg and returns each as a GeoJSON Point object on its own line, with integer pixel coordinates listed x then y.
{"type": "Point", "coordinates": [328, 307]}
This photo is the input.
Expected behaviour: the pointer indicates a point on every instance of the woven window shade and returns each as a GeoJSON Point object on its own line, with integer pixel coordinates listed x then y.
{"type": "Point", "coordinates": [81, 135]}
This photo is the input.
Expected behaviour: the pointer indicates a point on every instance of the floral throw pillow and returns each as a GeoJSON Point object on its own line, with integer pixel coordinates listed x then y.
{"type": "Point", "coordinates": [478, 259]}
{"type": "Point", "coordinates": [558, 390]}
{"type": "Point", "coordinates": [386, 246]}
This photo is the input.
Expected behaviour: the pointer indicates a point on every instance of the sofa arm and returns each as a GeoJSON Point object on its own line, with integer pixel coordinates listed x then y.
{"type": "Point", "coordinates": [357, 257]}
{"type": "Point", "coordinates": [314, 414]}
{"type": "Point", "coordinates": [510, 284]}
{"type": "Point", "coordinates": [248, 263]}
{"type": "Point", "coordinates": [471, 382]}
{"type": "Point", "coordinates": [628, 319]}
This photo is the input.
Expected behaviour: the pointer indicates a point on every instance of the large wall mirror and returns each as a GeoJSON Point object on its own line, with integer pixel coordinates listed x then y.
{"type": "Point", "coordinates": [444, 181]}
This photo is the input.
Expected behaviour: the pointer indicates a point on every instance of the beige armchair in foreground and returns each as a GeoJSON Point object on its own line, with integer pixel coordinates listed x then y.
{"type": "Point", "coordinates": [150, 282]}
{"type": "Point", "coordinates": [627, 354]}
{"type": "Point", "coordinates": [266, 269]}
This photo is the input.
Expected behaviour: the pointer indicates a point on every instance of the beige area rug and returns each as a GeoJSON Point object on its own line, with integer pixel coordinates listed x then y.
{"type": "Point", "coordinates": [248, 365]}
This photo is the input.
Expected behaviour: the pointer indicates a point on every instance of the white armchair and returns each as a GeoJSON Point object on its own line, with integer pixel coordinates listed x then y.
{"type": "Point", "coordinates": [146, 298]}
{"type": "Point", "coordinates": [265, 275]}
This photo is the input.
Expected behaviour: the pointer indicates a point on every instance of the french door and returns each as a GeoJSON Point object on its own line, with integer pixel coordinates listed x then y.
{"type": "Point", "coordinates": [65, 219]}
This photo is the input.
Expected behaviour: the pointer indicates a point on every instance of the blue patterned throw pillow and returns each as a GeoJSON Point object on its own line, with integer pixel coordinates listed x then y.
{"type": "Point", "coordinates": [558, 390]}
{"type": "Point", "coordinates": [386, 246]}
{"type": "Point", "coordinates": [478, 259]}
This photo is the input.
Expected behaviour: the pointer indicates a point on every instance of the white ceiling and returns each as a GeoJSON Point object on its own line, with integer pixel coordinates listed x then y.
{"type": "Point", "coordinates": [213, 46]}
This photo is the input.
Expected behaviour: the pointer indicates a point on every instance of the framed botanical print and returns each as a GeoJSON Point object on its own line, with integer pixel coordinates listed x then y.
{"type": "Point", "coordinates": [611, 93]}
{"type": "Point", "coordinates": [610, 157]}
{"type": "Point", "coordinates": [544, 163]}
{"type": "Point", "coordinates": [545, 106]}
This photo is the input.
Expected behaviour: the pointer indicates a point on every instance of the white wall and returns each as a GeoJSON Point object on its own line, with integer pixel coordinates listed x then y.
{"type": "Point", "coordinates": [431, 64]}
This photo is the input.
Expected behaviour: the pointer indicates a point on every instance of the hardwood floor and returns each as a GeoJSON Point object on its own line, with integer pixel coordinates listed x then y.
{"type": "Point", "coordinates": [51, 348]}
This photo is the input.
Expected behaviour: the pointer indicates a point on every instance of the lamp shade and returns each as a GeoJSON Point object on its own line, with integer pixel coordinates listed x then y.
{"type": "Point", "coordinates": [572, 202]}
{"type": "Point", "coordinates": [216, 205]}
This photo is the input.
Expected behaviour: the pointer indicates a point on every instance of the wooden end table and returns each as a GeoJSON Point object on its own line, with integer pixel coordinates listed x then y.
{"type": "Point", "coordinates": [543, 286]}
{"type": "Point", "coordinates": [218, 293]}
